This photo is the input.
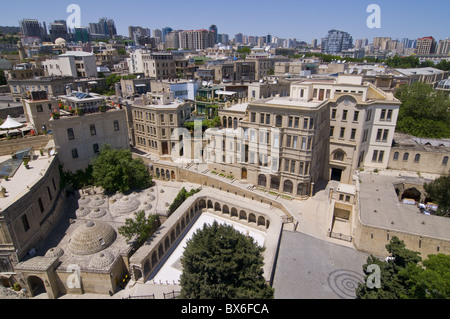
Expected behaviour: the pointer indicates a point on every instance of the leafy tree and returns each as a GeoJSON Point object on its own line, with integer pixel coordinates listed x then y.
{"type": "Point", "coordinates": [394, 280]}
{"type": "Point", "coordinates": [439, 192]}
{"type": "Point", "coordinates": [3, 80]}
{"type": "Point", "coordinates": [181, 197]}
{"type": "Point", "coordinates": [424, 111]}
{"type": "Point", "coordinates": [141, 227]}
{"type": "Point", "coordinates": [432, 281]}
{"type": "Point", "coordinates": [116, 170]}
{"type": "Point", "coordinates": [221, 263]}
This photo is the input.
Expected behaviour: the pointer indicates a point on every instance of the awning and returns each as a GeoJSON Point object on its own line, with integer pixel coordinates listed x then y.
{"type": "Point", "coordinates": [141, 85]}
{"type": "Point", "coordinates": [10, 124]}
{"type": "Point", "coordinates": [225, 93]}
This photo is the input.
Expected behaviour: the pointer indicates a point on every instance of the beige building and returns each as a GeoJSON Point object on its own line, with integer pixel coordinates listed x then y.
{"type": "Point", "coordinates": [38, 111]}
{"type": "Point", "coordinates": [156, 117]}
{"type": "Point", "coordinates": [78, 139]}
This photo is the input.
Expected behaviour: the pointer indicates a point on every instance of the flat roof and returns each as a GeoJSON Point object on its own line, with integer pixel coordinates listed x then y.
{"type": "Point", "coordinates": [287, 101]}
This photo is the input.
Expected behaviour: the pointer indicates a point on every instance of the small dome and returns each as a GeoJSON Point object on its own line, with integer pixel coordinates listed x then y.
{"type": "Point", "coordinates": [82, 212]}
{"type": "Point", "coordinates": [97, 213]}
{"type": "Point", "coordinates": [91, 237]}
{"type": "Point", "coordinates": [125, 205]}
{"type": "Point", "coordinates": [97, 201]}
{"type": "Point", "coordinates": [54, 252]}
{"type": "Point", "coordinates": [102, 260]}
{"type": "Point", "coordinates": [60, 41]}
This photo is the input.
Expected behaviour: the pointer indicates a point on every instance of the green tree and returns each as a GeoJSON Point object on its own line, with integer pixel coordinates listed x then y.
{"type": "Point", "coordinates": [424, 111]}
{"type": "Point", "coordinates": [221, 263]}
{"type": "Point", "coordinates": [439, 192]}
{"type": "Point", "coordinates": [140, 228]}
{"type": "Point", "coordinates": [3, 80]}
{"type": "Point", "coordinates": [183, 194]}
{"type": "Point", "coordinates": [432, 281]}
{"type": "Point", "coordinates": [394, 280]}
{"type": "Point", "coordinates": [116, 170]}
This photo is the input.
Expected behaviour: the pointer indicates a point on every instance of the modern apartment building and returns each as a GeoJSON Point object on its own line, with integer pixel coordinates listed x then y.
{"type": "Point", "coordinates": [443, 47]}
{"type": "Point", "coordinates": [426, 45]}
{"type": "Point", "coordinates": [156, 65]}
{"type": "Point", "coordinates": [336, 41]}
{"type": "Point", "coordinates": [77, 64]}
{"type": "Point", "coordinates": [197, 39]}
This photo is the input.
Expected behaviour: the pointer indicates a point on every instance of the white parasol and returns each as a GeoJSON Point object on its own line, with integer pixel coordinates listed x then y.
{"type": "Point", "coordinates": [10, 124]}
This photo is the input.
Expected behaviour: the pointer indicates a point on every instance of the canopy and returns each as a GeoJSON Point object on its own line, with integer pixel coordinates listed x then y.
{"type": "Point", "coordinates": [225, 93]}
{"type": "Point", "coordinates": [10, 124]}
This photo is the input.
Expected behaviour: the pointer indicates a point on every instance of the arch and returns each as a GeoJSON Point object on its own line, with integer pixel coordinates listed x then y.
{"type": "Point", "coordinates": [201, 204]}
{"type": "Point", "coordinates": [224, 121]}
{"type": "Point", "coordinates": [235, 123]}
{"type": "Point", "coordinates": [396, 156]}
{"type": "Point", "coordinates": [412, 193]}
{"type": "Point", "coordinates": [242, 215]}
{"type": "Point", "coordinates": [339, 155]}
{"type": "Point", "coordinates": [275, 182]}
{"type": "Point", "coordinates": [417, 158]}
{"type": "Point", "coordinates": [288, 187]}
{"type": "Point", "coordinates": [261, 221]}
{"type": "Point", "coordinates": [167, 174]}
{"type": "Point", "coordinates": [183, 224]}
{"type": "Point", "coordinates": [163, 174]}
{"type": "Point", "coordinates": [405, 157]}
{"type": "Point", "coordinates": [217, 207]}
{"type": "Point", "coordinates": [230, 122]}
{"type": "Point", "coordinates": [262, 180]}
{"type": "Point", "coordinates": [210, 204]}
{"type": "Point", "coordinates": [160, 251]}
{"type": "Point", "coordinates": [137, 273]}
{"type": "Point", "coordinates": [225, 209]}
{"type": "Point", "coordinates": [234, 212]}
{"type": "Point", "coordinates": [172, 174]}
{"type": "Point", "coordinates": [147, 266]}
{"type": "Point", "coordinates": [167, 243]}
{"type": "Point", "coordinates": [178, 231]}
{"type": "Point", "coordinates": [36, 285]}
{"type": "Point", "coordinates": [251, 218]}
{"type": "Point", "coordinates": [157, 173]}
{"type": "Point", "coordinates": [302, 189]}
{"type": "Point", "coordinates": [154, 259]}
{"type": "Point", "coordinates": [173, 236]}
{"type": "Point", "coordinates": [244, 173]}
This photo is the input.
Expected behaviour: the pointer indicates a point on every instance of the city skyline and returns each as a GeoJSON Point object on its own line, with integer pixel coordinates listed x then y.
{"type": "Point", "coordinates": [401, 19]}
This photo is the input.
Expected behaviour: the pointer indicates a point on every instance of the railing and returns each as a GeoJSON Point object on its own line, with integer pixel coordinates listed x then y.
{"type": "Point", "coordinates": [341, 236]}
{"type": "Point", "coordinates": [172, 295]}
{"type": "Point", "coordinates": [141, 297]}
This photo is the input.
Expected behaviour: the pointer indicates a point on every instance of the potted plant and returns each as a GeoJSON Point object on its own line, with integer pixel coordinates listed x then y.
{"type": "Point", "coordinates": [2, 192]}
{"type": "Point", "coordinates": [79, 111]}
{"type": "Point", "coordinates": [25, 163]}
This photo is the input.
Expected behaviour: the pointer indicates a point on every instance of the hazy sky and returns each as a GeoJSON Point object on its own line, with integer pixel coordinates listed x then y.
{"type": "Point", "coordinates": [303, 20]}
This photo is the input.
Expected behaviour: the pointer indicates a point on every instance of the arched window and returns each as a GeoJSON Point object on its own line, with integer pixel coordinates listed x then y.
{"type": "Point", "coordinates": [287, 187]}
{"type": "Point", "coordinates": [262, 180]}
{"type": "Point", "coordinates": [339, 156]}
{"type": "Point", "coordinates": [275, 182]}
{"type": "Point", "coordinates": [405, 156]}
{"type": "Point", "coordinates": [396, 155]}
{"type": "Point", "coordinates": [417, 158]}
{"type": "Point", "coordinates": [302, 189]}
{"type": "Point", "coordinates": [445, 160]}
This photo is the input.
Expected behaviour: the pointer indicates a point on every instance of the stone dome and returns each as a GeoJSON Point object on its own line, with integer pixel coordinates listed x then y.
{"type": "Point", "coordinates": [102, 260]}
{"type": "Point", "coordinates": [84, 200]}
{"type": "Point", "coordinates": [60, 41]}
{"type": "Point", "coordinates": [125, 205]}
{"type": "Point", "coordinates": [82, 212]}
{"type": "Point", "coordinates": [97, 201]}
{"type": "Point", "coordinates": [54, 252]}
{"type": "Point", "coordinates": [91, 237]}
{"type": "Point", "coordinates": [97, 213]}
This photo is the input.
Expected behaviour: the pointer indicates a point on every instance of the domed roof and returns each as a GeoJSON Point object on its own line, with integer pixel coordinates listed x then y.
{"type": "Point", "coordinates": [91, 237]}
{"type": "Point", "coordinates": [54, 252]}
{"type": "Point", "coordinates": [60, 41]}
{"type": "Point", "coordinates": [102, 260]}
{"type": "Point", "coordinates": [124, 205]}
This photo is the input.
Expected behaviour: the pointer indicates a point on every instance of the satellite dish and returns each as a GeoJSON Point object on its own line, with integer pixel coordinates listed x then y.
{"type": "Point", "coordinates": [261, 81]}
{"type": "Point", "coordinates": [204, 83]}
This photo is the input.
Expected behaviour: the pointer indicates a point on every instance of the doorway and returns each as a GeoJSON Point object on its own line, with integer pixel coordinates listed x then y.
{"type": "Point", "coordinates": [36, 285]}
{"type": "Point", "coordinates": [336, 174]}
{"type": "Point", "coordinates": [244, 173]}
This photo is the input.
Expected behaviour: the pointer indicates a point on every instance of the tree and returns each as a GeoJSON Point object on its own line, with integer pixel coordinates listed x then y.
{"type": "Point", "coordinates": [116, 170]}
{"type": "Point", "coordinates": [439, 192]}
{"type": "Point", "coordinates": [181, 197]}
{"type": "Point", "coordinates": [424, 111]}
{"type": "Point", "coordinates": [221, 263]}
{"type": "Point", "coordinates": [3, 80]}
{"type": "Point", "coordinates": [140, 227]}
{"type": "Point", "coordinates": [394, 280]}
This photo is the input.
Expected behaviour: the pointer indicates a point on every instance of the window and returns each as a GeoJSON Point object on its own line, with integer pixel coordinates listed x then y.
{"type": "Point", "coordinates": [369, 115]}
{"type": "Point", "coordinates": [96, 148]}
{"type": "Point", "coordinates": [333, 114]}
{"type": "Point", "coordinates": [331, 131]}
{"type": "Point", "coordinates": [253, 117]}
{"type": "Point", "coordinates": [344, 115]}
{"type": "Point", "coordinates": [93, 130]}
{"type": "Point", "coordinates": [445, 160]}
{"type": "Point", "coordinates": [378, 156]}
{"type": "Point", "coordinates": [116, 126]}
{"type": "Point", "coordinates": [305, 124]}
{"type": "Point", "coordinates": [405, 156]}
{"type": "Point", "coordinates": [379, 134]}
{"type": "Point", "coordinates": [39, 108]}
{"type": "Point", "coordinates": [261, 119]}
{"type": "Point", "coordinates": [74, 153]}
{"type": "Point", "coordinates": [383, 115]}
{"type": "Point", "coordinates": [356, 116]}
{"type": "Point", "coordinates": [389, 115]}
{"type": "Point", "coordinates": [288, 140]}
{"type": "Point", "coordinates": [296, 122]}
{"type": "Point", "coordinates": [342, 134]}
{"type": "Point", "coordinates": [25, 223]}
{"type": "Point", "coordinates": [353, 135]}
{"type": "Point", "coordinates": [385, 135]}
{"type": "Point", "coordinates": [338, 156]}
{"type": "Point", "coordinates": [291, 120]}
{"type": "Point", "coordinates": [295, 142]}
{"type": "Point", "coordinates": [417, 158]}
{"type": "Point", "coordinates": [375, 156]}
{"type": "Point", "coordinates": [279, 121]}
{"type": "Point", "coordinates": [396, 155]}
{"type": "Point", "coordinates": [70, 134]}
{"type": "Point", "coordinates": [366, 132]}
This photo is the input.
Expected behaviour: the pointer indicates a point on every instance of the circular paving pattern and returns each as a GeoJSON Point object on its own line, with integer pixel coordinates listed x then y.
{"type": "Point", "coordinates": [84, 201]}
{"type": "Point", "coordinates": [344, 283]}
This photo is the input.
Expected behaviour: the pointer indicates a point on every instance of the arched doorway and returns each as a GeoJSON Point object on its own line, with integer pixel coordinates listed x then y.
{"type": "Point", "coordinates": [36, 286]}
{"type": "Point", "coordinates": [412, 193]}
{"type": "Point", "coordinates": [244, 173]}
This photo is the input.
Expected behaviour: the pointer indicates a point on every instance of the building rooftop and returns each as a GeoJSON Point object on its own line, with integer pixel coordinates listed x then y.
{"type": "Point", "coordinates": [287, 101]}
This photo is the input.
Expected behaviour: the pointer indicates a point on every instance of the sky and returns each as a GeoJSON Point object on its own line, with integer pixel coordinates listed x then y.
{"type": "Point", "coordinates": [299, 19]}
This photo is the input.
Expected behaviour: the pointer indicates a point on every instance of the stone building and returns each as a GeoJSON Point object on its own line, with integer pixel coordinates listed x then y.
{"type": "Point", "coordinates": [38, 110]}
